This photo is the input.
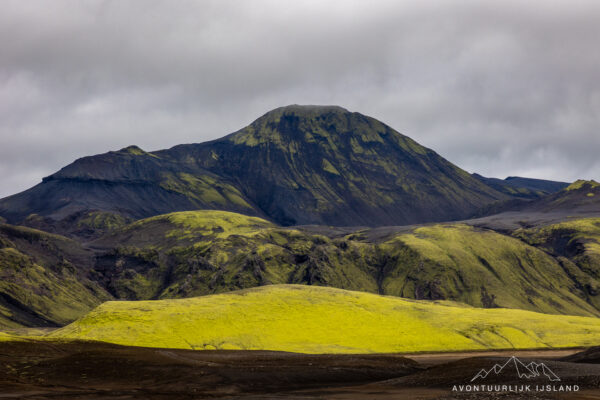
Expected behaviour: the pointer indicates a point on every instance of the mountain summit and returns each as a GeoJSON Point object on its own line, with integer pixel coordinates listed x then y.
{"type": "Point", "coordinates": [294, 165]}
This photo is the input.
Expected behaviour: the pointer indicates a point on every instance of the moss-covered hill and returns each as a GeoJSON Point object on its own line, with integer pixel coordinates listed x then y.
{"type": "Point", "coordinates": [582, 195]}
{"type": "Point", "coordinates": [576, 246]}
{"type": "Point", "coordinates": [195, 253]}
{"type": "Point", "coordinates": [51, 280]}
{"type": "Point", "coordinates": [581, 199]}
{"type": "Point", "coordinates": [325, 320]}
{"type": "Point", "coordinates": [294, 165]}
{"type": "Point", "coordinates": [43, 279]}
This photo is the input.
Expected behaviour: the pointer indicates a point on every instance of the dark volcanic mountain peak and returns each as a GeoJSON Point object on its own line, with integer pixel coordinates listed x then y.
{"type": "Point", "coordinates": [326, 165]}
{"type": "Point", "coordinates": [294, 165]}
{"type": "Point", "coordinates": [328, 129]}
{"type": "Point", "coordinates": [133, 149]}
{"type": "Point", "coordinates": [307, 109]}
{"type": "Point", "coordinates": [311, 123]}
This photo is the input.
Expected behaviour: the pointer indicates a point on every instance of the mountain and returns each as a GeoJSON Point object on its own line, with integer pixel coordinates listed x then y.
{"type": "Point", "coordinates": [581, 197]}
{"type": "Point", "coordinates": [324, 320]}
{"type": "Point", "coordinates": [526, 188]}
{"type": "Point", "coordinates": [579, 200]}
{"type": "Point", "coordinates": [95, 193]}
{"type": "Point", "coordinates": [104, 228]}
{"type": "Point", "coordinates": [542, 185]}
{"type": "Point", "coordinates": [294, 165]}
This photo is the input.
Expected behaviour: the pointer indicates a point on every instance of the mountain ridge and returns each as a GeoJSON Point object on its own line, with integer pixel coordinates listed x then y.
{"type": "Point", "coordinates": [523, 188]}
{"type": "Point", "coordinates": [293, 165]}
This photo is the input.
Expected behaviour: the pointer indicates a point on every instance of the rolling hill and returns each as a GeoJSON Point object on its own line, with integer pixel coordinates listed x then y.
{"type": "Point", "coordinates": [294, 165]}
{"type": "Point", "coordinates": [201, 252]}
{"type": "Point", "coordinates": [552, 269]}
{"type": "Point", "coordinates": [324, 320]}
{"type": "Point", "coordinates": [43, 279]}
{"type": "Point", "coordinates": [576, 246]}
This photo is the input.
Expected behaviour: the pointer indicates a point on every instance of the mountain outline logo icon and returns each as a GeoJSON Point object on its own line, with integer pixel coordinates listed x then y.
{"type": "Point", "coordinates": [523, 371]}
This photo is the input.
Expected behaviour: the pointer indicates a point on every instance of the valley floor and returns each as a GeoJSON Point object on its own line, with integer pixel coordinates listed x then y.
{"type": "Point", "coordinates": [87, 370]}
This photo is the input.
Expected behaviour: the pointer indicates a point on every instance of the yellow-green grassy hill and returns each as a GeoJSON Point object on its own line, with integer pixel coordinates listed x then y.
{"type": "Point", "coordinates": [312, 319]}
{"type": "Point", "coordinates": [196, 253]}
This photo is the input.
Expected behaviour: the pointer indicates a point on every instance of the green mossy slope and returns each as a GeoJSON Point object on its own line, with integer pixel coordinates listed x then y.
{"type": "Point", "coordinates": [325, 320]}
{"type": "Point", "coordinates": [576, 246]}
{"type": "Point", "coordinates": [484, 268]}
{"type": "Point", "coordinates": [581, 184]}
{"type": "Point", "coordinates": [41, 283]}
{"type": "Point", "coordinates": [193, 226]}
{"type": "Point", "coordinates": [50, 280]}
{"type": "Point", "coordinates": [196, 253]}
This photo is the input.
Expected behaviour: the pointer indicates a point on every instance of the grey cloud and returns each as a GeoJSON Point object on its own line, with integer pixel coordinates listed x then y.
{"type": "Point", "coordinates": [501, 88]}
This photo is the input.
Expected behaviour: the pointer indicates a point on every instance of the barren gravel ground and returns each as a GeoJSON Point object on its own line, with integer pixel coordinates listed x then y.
{"type": "Point", "coordinates": [53, 370]}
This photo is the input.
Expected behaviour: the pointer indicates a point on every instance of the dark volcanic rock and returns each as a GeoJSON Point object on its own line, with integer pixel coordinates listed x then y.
{"type": "Point", "coordinates": [294, 165]}
{"type": "Point", "coordinates": [523, 188]}
{"type": "Point", "coordinates": [588, 356]}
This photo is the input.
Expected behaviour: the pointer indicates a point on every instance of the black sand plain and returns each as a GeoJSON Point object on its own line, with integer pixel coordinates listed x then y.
{"type": "Point", "coordinates": [86, 370]}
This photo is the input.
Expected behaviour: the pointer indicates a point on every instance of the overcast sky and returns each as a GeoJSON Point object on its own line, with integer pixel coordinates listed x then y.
{"type": "Point", "coordinates": [497, 87]}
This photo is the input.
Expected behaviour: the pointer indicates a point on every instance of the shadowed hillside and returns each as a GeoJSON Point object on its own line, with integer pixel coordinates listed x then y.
{"type": "Point", "coordinates": [576, 246]}
{"type": "Point", "coordinates": [579, 200]}
{"type": "Point", "coordinates": [43, 279]}
{"type": "Point", "coordinates": [294, 165]}
{"type": "Point", "coordinates": [523, 188]}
